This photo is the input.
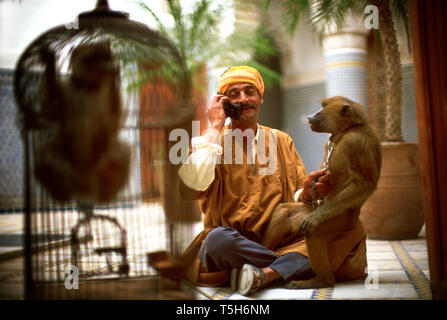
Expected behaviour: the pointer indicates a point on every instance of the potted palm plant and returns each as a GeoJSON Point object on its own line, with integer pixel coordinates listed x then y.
{"type": "Point", "coordinates": [394, 211]}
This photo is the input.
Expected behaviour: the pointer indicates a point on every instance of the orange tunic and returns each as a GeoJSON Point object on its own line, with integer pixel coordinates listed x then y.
{"type": "Point", "coordinates": [242, 198]}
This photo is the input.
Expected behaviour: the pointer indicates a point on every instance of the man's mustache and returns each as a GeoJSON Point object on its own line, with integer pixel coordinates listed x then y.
{"type": "Point", "coordinates": [247, 105]}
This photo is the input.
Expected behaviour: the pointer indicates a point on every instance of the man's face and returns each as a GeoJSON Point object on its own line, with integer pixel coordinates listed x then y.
{"type": "Point", "coordinates": [247, 96]}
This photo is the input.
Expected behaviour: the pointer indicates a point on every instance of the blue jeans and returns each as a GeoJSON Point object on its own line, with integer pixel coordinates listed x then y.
{"type": "Point", "coordinates": [225, 248]}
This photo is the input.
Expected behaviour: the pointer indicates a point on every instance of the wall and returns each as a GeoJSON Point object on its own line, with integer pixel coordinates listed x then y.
{"type": "Point", "coordinates": [301, 53]}
{"type": "Point", "coordinates": [271, 113]}
{"type": "Point", "coordinates": [11, 150]}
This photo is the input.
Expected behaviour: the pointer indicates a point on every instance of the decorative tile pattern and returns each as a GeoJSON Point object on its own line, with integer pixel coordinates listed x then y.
{"type": "Point", "coordinates": [322, 294]}
{"type": "Point", "coordinates": [11, 148]}
{"type": "Point", "coordinates": [346, 75]}
{"type": "Point", "coordinates": [418, 279]}
{"type": "Point", "coordinates": [346, 291]}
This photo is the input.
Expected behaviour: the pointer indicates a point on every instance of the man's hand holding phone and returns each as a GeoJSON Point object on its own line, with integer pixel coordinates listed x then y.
{"type": "Point", "coordinates": [215, 112]}
{"type": "Point", "coordinates": [231, 110]}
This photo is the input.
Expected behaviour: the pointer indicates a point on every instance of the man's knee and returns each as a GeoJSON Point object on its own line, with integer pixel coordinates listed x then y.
{"type": "Point", "coordinates": [219, 240]}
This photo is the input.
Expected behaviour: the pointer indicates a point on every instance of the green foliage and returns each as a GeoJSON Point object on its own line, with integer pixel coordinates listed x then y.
{"type": "Point", "coordinates": [142, 60]}
{"type": "Point", "coordinates": [196, 34]}
{"type": "Point", "coordinates": [399, 8]}
{"type": "Point", "coordinates": [324, 13]}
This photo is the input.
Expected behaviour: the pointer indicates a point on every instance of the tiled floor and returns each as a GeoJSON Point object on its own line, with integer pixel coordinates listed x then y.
{"type": "Point", "coordinates": [397, 269]}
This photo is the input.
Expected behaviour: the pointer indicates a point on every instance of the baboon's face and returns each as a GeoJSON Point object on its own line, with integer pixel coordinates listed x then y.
{"type": "Point", "coordinates": [332, 115]}
{"type": "Point", "coordinates": [316, 121]}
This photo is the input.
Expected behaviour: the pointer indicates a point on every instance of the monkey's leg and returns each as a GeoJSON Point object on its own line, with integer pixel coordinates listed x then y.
{"type": "Point", "coordinates": [285, 221]}
{"type": "Point", "coordinates": [276, 228]}
{"type": "Point", "coordinates": [319, 260]}
{"type": "Point", "coordinates": [297, 212]}
{"type": "Point", "coordinates": [294, 208]}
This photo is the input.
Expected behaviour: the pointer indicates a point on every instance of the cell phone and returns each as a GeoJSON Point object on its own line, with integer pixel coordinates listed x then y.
{"type": "Point", "coordinates": [231, 110]}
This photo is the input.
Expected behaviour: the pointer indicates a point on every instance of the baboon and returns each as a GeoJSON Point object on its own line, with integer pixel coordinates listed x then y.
{"type": "Point", "coordinates": [83, 159]}
{"type": "Point", "coordinates": [353, 156]}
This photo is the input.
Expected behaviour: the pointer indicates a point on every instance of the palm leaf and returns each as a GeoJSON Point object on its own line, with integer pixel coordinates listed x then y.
{"type": "Point", "coordinates": [160, 25]}
{"type": "Point", "coordinates": [197, 36]}
{"type": "Point", "coordinates": [400, 10]}
{"type": "Point", "coordinates": [270, 77]}
{"type": "Point", "coordinates": [179, 26]}
{"type": "Point", "coordinates": [197, 20]}
{"type": "Point", "coordinates": [293, 11]}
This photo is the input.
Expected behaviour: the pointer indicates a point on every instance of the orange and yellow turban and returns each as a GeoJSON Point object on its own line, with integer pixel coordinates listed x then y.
{"type": "Point", "coordinates": [240, 74]}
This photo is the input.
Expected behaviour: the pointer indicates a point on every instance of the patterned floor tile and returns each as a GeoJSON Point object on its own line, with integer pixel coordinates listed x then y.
{"type": "Point", "coordinates": [385, 264]}
{"type": "Point", "coordinates": [280, 293]}
{"type": "Point", "coordinates": [380, 248]}
{"type": "Point", "coordinates": [418, 254]}
{"type": "Point", "coordinates": [417, 278]}
{"type": "Point", "coordinates": [384, 291]}
{"type": "Point", "coordinates": [421, 263]}
{"type": "Point", "coordinates": [397, 276]}
{"type": "Point", "coordinates": [377, 255]}
{"type": "Point", "coordinates": [208, 292]}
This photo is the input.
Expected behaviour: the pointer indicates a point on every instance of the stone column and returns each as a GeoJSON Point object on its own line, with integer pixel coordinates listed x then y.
{"type": "Point", "coordinates": [345, 52]}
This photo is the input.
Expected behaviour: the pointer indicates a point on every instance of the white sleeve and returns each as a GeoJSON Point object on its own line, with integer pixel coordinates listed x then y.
{"type": "Point", "coordinates": [198, 172]}
{"type": "Point", "coordinates": [297, 194]}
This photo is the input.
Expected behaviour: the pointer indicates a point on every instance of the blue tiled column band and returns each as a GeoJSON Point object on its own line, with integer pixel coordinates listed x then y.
{"type": "Point", "coordinates": [346, 75]}
{"type": "Point", "coordinates": [345, 52]}
{"type": "Point", "coordinates": [11, 148]}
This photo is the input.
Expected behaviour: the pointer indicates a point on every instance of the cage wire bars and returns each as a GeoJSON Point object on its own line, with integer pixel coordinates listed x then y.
{"type": "Point", "coordinates": [66, 223]}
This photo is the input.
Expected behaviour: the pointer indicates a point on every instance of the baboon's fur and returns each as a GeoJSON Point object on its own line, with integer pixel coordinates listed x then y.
{"type": "Point", "coordinates": [355, 167]}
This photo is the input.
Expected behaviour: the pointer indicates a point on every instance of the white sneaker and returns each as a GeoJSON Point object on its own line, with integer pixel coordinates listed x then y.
{"type": "Point", "coordinates": [247, 279]}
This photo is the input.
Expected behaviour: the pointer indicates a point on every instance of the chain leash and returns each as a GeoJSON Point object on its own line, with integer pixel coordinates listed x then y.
{"type": "Point", "coordinates": [316, 202]}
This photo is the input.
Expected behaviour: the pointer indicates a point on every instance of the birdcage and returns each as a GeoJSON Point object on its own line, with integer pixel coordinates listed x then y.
{"type": "Point", "coordinates": [97, 101]}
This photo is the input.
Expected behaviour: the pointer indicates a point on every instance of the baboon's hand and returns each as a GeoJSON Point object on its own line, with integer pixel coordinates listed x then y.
{"type": "Point", "coordinates": [308, 225]}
